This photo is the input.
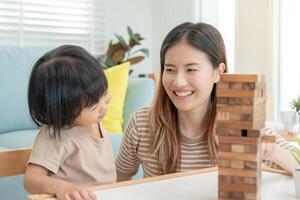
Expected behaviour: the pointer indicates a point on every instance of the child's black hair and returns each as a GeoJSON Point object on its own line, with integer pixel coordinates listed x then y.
{"type": "Point", "coordinates": [62, 83]}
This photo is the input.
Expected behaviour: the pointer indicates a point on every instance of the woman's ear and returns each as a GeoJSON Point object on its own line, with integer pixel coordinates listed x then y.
{"type": "Point", "coordinates": [220, 70]}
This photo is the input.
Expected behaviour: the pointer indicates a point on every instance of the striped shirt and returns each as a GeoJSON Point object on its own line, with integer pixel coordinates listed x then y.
{"type": "Point", "coordinates": [136, 144]}
{"type": "Point", "coordinates": [194, 151]}
{"type": "Point", "coordinates": [281, 143]}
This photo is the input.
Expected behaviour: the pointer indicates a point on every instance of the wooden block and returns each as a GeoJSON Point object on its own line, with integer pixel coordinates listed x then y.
{"type": "Point", "coordinates": [248, 78]}
{"type": "Point", "coordinates": [222, 85]}
{"type": "Point", "coordinates": [238, 148]}
{"type": "Point", "coordinates": [249, 86]}
{"type": "Point", "coordinates": [240, 101]}
{"type": "Point", "coordinates": [238, 156]}
{"type": "Point", "coordinates": [241, 109]}
{"type": "Point", "coordinates": [250, 181]}
{"type": "Point", "coordinates": [251, 165]}
{"type": "Point", "coordinates": [224, 147]}
{"type": "Point", "coordinates": [225, 179]}
{"type": "Point", "coordinates": [237, 172]}
{"type": "Point", "coordinates": [268, 139]}
{"type": "Point", "coordinates": [235, 124]}
{"type": "Point", "coordinates": [237, 180]}
{"type": "Point", "coordinates": [260, 93]}
{"type": "Point", "coordinates": [235, 85]}
{"type": "Point", "coordinates": [251, 196]}
{"type": "Point", "coordinates": [236, 195]}
{"type": "Point", "coordinates": [224, 195]}
{"type": "Point", "coordinates": [222, 131]}
{"type": "Point", "coordinates": [237, 164]}
{"type": "Point", "coordinates": [236, 93]}
{"type": "Point", "coordinates": [253, 133]}
{"type": "Point", "coordinates": [224, 163]}
{"type": "Point", "coordinates": [250, 149]}
{"type": "Point", "coordinates": [238, 140]}
{"type": "Point", "coordinates": [238, 187]}
{"type": "Point", "coordinates": [222, 100]}
{"type": "Point", "coordinates": [234, 116]}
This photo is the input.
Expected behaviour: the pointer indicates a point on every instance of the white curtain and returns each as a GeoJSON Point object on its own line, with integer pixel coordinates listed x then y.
{"type": "Point", "coordinates": [49, 23]}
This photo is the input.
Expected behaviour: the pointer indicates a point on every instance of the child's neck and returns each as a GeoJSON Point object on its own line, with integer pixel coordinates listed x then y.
{"type": "Point", "coordinates": [93, 129]}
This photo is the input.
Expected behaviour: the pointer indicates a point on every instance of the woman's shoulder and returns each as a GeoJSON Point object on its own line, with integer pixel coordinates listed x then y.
{"type": "Point", "coordinates": [143, 111]}
{"type": "Point", "coordinates": [141, 115]}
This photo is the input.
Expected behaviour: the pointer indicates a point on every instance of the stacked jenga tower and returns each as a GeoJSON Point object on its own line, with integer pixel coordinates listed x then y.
{"type": "Point", "coordinates": [241, 102]}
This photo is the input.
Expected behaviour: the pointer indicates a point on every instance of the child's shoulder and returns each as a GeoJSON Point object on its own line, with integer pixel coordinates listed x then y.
{"type": "Point", "coordinates": [46, 133]}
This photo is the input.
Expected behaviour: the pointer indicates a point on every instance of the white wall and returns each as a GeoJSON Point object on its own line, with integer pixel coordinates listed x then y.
{"type": "Point", "coordinates": [138, 15]}
{"type": "Point", "coordinates": [255, 42]}
{"type": "Point", "coordinates": [166, 15]}
{"type": "Point", "coordinates": [256, 34]}
{"type": "Point", "coordinates": [153, 19]}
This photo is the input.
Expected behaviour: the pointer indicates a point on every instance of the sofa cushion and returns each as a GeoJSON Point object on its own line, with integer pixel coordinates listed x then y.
{"type": "Point", "coordinates": [117, 78]}
{"type": "Point", "coordinates": [140, 93]}
{"type": "Point", "coordinates": [18, 139]}
{"type": "Point", "coordinates": [15, 67]}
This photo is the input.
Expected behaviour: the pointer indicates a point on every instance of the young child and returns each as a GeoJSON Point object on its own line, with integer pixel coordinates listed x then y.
{"type": "Point", "coordinates": [68, 97]}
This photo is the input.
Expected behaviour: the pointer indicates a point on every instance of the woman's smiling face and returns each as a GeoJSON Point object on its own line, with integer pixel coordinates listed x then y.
{"type": "Point", "coordinates": [188, 77]}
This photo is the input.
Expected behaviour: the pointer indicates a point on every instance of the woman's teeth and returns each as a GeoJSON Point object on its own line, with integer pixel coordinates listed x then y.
{"type": "Point", "coordinates": [183, 94]}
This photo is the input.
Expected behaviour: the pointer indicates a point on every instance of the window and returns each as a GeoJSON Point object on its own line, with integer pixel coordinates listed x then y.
{"type": "Point", "coordinates": [289, 63]}
{"type": "Point", "coordinates": [42, 23]}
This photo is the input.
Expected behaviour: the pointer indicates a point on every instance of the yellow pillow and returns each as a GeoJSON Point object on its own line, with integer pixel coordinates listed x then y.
{"type": "Point", "coordinates": [117, 78]}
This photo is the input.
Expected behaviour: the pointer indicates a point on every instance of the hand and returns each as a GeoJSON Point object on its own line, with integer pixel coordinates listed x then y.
{"type": "Point", "coordinates": [269, 151]}
{"type": "Point", "coordinates": [67, 191]}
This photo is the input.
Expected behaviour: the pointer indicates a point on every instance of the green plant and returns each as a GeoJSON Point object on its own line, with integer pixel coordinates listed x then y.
{"type": "Point", "coordinates": [295, 105]}
{"type": "Point", "coordinates": [296, 151]}
{"type": "Point", "coordinates": [123, 51]}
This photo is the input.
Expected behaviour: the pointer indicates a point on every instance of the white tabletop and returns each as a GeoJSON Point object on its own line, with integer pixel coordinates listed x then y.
{"type": "Point", "coordinates": [200, 186]}
{"type": "Point", "coordinates": [195, 187]}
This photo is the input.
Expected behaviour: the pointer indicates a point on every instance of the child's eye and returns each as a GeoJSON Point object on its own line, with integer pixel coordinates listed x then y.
{"type": "Point", "coordinates": [105, 93]}
{"type": "Point", "coordinates": [93, 107]}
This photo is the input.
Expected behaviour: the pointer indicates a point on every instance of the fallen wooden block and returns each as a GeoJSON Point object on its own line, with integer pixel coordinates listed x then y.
{"type": "Point", "coordinates": [268, 139]}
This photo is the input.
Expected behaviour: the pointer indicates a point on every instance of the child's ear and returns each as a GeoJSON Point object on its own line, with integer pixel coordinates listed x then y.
{"type": "Point", "coordinates": [219, 71]}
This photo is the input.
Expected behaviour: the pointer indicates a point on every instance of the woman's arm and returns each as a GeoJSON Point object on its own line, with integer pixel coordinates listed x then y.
{"type": "Point", "coordinates": [279, 153]}
{"type": "Point", "coordinates": [128, 162]}
{"type": "Point", "coordinates": [37, 181]}
{"type": "Point", "coordinates": [123, 178]}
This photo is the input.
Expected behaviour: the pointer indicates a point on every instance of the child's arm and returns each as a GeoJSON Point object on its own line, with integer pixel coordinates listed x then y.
{"type": "Point", "coordinates": [37, 181]}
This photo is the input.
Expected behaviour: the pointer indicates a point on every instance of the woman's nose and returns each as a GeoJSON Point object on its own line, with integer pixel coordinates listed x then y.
{"type": "Point", "coordinates": [180, 79]}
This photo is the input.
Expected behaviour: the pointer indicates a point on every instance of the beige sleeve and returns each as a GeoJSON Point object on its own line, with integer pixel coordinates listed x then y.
{"type": "Point", "coordinates": [127, 162]}
{"type": "Point", "coordinates": [278, 155]}
{"type": "Point", "coordinates": [48, 152]}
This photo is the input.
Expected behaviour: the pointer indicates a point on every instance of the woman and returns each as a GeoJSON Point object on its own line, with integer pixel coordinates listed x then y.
{"type": "Point", "coordinates": [177, 132]}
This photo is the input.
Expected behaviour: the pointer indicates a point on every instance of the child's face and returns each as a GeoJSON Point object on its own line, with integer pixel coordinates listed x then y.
{"type": "Point", "coordinates": [95, 113]}
{"type": "Point", "coordinates": [188, 77]}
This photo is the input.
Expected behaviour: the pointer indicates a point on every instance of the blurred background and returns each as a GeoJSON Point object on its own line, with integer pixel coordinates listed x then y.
{"type": "Point", "coordinates": [261, 36]}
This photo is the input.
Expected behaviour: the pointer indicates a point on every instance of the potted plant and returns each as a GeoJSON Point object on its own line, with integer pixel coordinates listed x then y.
{"type": "Point", "coordinates": [295, 106]}
{"type": "Point", "coordinates": [123, 51]}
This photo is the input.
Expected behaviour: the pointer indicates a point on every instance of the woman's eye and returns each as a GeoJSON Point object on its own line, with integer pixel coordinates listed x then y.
{"type": "Point", "coordinates": [191, 70]}
{"type": "Point", "coordinates": [169, 70]}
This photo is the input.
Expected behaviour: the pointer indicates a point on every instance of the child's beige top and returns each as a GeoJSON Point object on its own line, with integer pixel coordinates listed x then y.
{"type": "Point", "coordinates": [77, 157]}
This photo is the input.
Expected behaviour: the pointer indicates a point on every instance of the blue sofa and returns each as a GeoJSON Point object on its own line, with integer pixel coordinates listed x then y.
{"type": "Point", "coordinates": [16, 127]}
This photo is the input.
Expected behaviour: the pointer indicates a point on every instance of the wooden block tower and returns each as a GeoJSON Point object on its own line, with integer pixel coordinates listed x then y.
{"type": "Point", "coordinates": [241, 102]}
